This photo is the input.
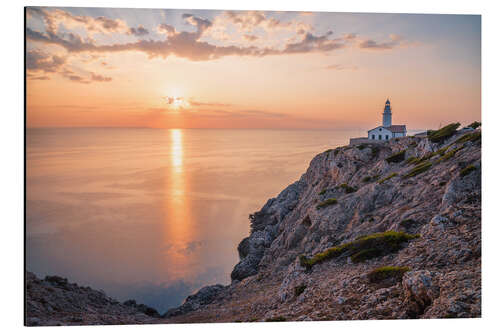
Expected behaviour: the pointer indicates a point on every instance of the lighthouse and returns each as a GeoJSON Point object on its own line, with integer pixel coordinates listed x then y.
{"type": "Point", "coordinates": [387, 115]}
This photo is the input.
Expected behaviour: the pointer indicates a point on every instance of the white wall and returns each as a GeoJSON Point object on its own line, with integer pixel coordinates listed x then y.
{"type": "Point", "coordinates": [380, 133]}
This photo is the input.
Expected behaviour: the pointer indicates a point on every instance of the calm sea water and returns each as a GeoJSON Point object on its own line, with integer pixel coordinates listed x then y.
{"type": "Point", "coordinates": [154, 214]}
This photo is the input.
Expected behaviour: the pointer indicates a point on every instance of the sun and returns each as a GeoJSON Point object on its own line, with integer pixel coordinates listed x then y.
{"type": "Point", "coordinates": [177, 102]}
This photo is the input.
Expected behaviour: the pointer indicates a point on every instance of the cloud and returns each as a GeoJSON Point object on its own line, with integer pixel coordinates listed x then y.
{"type": "Point", "coordinates": [54, 18]}
{"type": "Point", "coordinates": [37, 60]}
{"type": "Point", "coordinates": [99, 78]}
{"type": "Point", "coordinates": [311, 43]}
{"type": "Point", "coordinates": [250, 38]}
{"type": "Point", "coordinates": [139, 31]}
{"type": "Point", "coordinates": [395, 41]}
{"type": "Point", "coordinates": [196, 103]}
{"type": "Point", "coordinates": [339, 67]}
{"type": "Point", "coordinates": [196, 45]}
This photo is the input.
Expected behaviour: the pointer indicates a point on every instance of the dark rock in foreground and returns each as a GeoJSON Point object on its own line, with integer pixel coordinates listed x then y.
{"type": "Point", "coordinates": [54, 301]}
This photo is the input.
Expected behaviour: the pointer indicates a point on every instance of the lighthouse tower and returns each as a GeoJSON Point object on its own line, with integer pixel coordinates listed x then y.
{"type": "Point", "coordinates": [387, 120]}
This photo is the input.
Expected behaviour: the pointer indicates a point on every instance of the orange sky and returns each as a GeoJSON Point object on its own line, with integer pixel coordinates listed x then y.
{"type": "Point", "coordinates": [216, 69]}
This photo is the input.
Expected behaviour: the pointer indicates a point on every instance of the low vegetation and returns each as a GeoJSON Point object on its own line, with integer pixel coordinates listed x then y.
{"type": "Point", "coordinates": [449, 154]}
{"type": "Point", "coordinates": [387, 272]}
{"type": "Point", "coordinates": [397, 157]}
{"type": "Point", "coordinates": [347, 188]}
{"type": "Point", "coordinates": [443, 133]}
{"type": "Point", "coordinates": [469, 137]}
{"type": "Point", "coordinates": [468, 169]}
{"type": "Point", "coordinates": [394, 174]}
{"type": "Point", "coordinates": [366, 179]}
{"type": "Point", "coordinates": [362, 248]}
{"type": "Point", "coordinates": [327, 202]}
{"type": "Point", "coordinates": [411, 160]}
{"type": "Point", "coordinates": [474, 125]}
{"type": "Point", "coordinates": [420, 168]}
{"type": "Point", "coordinates": [323, 191]}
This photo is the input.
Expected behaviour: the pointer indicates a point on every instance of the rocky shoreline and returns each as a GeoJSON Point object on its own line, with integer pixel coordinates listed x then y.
{"type": "Point", "coordinates": [373, 231]}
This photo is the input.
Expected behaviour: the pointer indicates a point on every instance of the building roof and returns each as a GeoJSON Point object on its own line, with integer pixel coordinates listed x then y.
{"type": "Point", "coordinates": [397, 128]}
{"type": "Point", "coordinates": [393, 128]}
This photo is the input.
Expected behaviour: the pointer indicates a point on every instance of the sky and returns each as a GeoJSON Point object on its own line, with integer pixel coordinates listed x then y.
{"type": "Point", "coordinates": [160, 68]}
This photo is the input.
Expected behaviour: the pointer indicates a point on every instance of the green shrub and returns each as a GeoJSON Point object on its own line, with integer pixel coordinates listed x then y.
{"type": "Point", "coordinates": [386, 272]}
{"type": "Point", "coordinates": [474, 136]}
{"type": "Point", "coordinates": [394, 174]}
{"type": "Point", "coordinates": [299, 290]}
{"type": "Point", "coordinates": [323, 191]}
{"type": "Point", "coordinates": [366, 179]}
{"type": "Point", "coordinates": [468, 169]}
{"type": "Point", "coordinates": [327, 151]}
{"type": "Point", "coordinates": [443, 133]}
{"type": "Point", "coordinates": [449, 154]}
{"type": "Point", "coordinates": [361, 147]}
{"type": "Point", "coordinates": [474, 125]}
{"type": "Point", "coordinates": [441, 151]}
{"type": "Point", "coordinates": [397, 157]}
{"type": "Point", "coordinates": [362, 247]}
{"type": "Point", "coordinates": [347, 188]}
{"type": "Point", "coordinates": [365, 255]}
{"type": "Point", "coordinates": [411, 160]}
{"type": "Point", "coordinates": [327, 202]}
{"type": "Point", "coordinates": [336, 151]}
{"type": "Point", "coordinates": [442, 183]}
{"type": "Point", "coordinates": [375, 151]}
{"type": "Point", "coordinates": [422, 167]}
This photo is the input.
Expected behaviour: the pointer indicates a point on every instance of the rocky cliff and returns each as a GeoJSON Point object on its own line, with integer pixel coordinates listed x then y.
{"type": "Point", "coordinates": [374, 231]}
{"type": "Point", "coordinates": [54, 301]}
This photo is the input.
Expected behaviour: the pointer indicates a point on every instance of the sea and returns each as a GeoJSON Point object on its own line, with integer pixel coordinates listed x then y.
{"type": "Point", "coordinates": [154, 214]}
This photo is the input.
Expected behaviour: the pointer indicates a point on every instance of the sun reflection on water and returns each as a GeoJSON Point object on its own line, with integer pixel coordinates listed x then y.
{"type": "Point", "coordinates": [178, 225]}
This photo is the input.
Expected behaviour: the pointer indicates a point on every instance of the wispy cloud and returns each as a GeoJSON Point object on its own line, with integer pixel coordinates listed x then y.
{"type": "Point", "coordinates": [339, 67]}
{"type": "Point", "coordinates": [191, 44]}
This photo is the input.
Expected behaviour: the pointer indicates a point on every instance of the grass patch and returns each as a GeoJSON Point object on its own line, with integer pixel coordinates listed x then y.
{"type": "Point", "coordinates": [421, 167]}
{"type": "Point", "coordinates": [327, 202]}
{"type": "Point", "coordinates": [386, 272]}
{"type": "Point", "coordinates": [347, 188]}
{"type": "Point", "coordinates": [323, 191]}
{"type": "Point", "coordinates": [443, 133]}
{"type": "Point", "coordinates": [366, 254]}
{"type": "Point", "coordinates": [472, 137]}
{"type": "Point", "coordinates": [299, 290]}
{"type": "Point", "coordinates": [394, 174]}
{"type": "Point", "coordinates": [411, 160]}
{"type": "Point", "coordinates": [474, 125]}
{"type": "Point", "coordinates": [361, 248]}
{"type": "Point", "coordinates": [449, 154]}
{"type": "Point", "coordinates": [468, 169]}
{"type": "Point", "coordinates": [397, 157]}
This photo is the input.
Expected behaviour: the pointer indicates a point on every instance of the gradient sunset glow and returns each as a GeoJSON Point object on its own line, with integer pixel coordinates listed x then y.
{"type": "Point", "coordinates": [236, 69]}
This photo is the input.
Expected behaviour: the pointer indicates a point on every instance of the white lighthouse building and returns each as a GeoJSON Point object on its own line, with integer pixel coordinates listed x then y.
{"type": "Point", "coordinates": [387, 130]}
